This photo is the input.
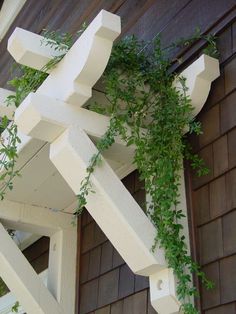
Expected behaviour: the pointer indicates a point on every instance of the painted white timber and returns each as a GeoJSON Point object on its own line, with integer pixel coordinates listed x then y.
{"type": "Point", "coordinates": [8, 13]}
{"type": "Point", "coordinates": [22, 280]}
{"type": "Point", "coordinates": [63, 245]}
{"type": "Point", "coordinates": [8, 300]}
{"type": "Point", "coordinates": [31, 49]}
{"type": "Point", "coordinates": [48, 117]}
{"type": "Point", "coordinates": [199, 76]}
{"type": "Point", "coordinates": [6, 110]}
{"type": "Point", "coordinates": [163, 292]}
{"type": "Point", "coordinates": [80, 66]}
{"type": "Point", "coordinates": [62, 267]}
{"type": "Point", "coordinates": [112, 206]}
{"type": "Point", "coordinates": [33, 219]}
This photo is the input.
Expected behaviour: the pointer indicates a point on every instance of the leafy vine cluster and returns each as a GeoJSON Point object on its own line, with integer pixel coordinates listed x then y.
{"type": "Point", "coordinates": [148, 111]}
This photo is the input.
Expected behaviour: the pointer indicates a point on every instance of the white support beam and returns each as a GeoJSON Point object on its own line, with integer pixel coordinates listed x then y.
{"type": "Point", "coordinates": [23, 281]}
{"type": "Point", "coordinates": [48, 117]}
{"type": "Point", "coordinates": [198, 77]}
{"type": "Point", "coordinates": [112, 206]}
{"type": "Point", "coordinates": [62, 267]}
{"type": "Point", "coordinates": [8, 13]}
{"type": "Point", "coordinates": [63, 245]}
{"type": "Point", "coordinates": [30, 49]}
{"type": "Point", "coordinates": [80, 66]}
{"type": "Point", "coordinates": [33, 219]}
{"type": "Point", "coordinates": [163, 292]}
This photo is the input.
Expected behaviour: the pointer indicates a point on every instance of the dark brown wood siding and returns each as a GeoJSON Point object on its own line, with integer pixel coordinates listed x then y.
{"type": "Point", "coordinates": [214, 196]}
{"type": "Point", "coordinates": [106, 283]}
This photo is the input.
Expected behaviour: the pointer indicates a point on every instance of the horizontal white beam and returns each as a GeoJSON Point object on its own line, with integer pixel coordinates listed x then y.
{"type": "Point", "coordinates": [46, 118]}
{"type": "Point", "coordinates": [62, 267]}
{"type": "Point", "coordinates": [33, 219]}
{"type": "Point", "coordinates": [163, 292]}
{"type": "Point", "coordinates": [8, 12]}
{"type": "Point", "coordinates": [30, 49]}
{"type": "Point", "coordinates": [112, 206]}
{"type": "Point", "coordinates": [22, 280]}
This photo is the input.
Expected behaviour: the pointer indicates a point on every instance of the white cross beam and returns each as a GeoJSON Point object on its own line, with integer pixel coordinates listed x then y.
{"type": "Point", "coordinates": [50, 114]}
{"type": "Point", "coordinates": [18, 273]}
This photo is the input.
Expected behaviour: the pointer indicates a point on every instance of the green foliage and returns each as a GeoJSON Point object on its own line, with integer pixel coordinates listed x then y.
{"type": "Point", "coordinates": [143, 99]}
{"type": "Point", "coordinates": [15, 307]}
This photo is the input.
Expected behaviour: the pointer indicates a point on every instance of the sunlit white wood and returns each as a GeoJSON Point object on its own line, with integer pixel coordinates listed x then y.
{"type": "Point", "coordinates": [33, 219]}
{"type": "Point", "coordinates": [8, 13]}
{"type": "Point", "coordinates": [112, 206]}
{"type": "Point", "coordinates": [23, 280]}
{"type": "Point", "coordinates": [31, 49]}
{"type": "Point", "coordinates": [198, 77]}
{"type": "Point", "coordinates": [62, 267]}
{"type": "Point", "coordinates": [163, 292]}
{"type": "Point", "coordinates": [8, 300]}
{"type": "Point", "coordinates": [48, 117]}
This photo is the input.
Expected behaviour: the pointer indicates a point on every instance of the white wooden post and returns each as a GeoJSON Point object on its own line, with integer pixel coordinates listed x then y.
{"type": "Point", "coordinates": [62, 254]}
{"type": "Point", "coordinates": [22, 279]}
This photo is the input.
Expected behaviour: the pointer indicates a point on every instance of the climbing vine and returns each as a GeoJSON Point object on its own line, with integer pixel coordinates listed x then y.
{"type": "Point", "coordinates": [148, 111]}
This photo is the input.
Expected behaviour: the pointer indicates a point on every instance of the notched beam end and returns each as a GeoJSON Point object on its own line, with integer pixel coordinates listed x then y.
{"type": "Point", "coordinates": [109, 25]}
{"type": "Point", "coordinates": [163, 292]}
{"type": "Point", "coordinates": [199, 76]}
{"type": "Point", "coordinates": [30, 49]}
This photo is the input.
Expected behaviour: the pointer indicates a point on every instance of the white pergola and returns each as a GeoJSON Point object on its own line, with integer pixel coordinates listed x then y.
{"type": "Point", "coordinates": [56, 133]}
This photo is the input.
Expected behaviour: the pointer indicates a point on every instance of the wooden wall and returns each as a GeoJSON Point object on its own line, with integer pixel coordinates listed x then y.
{"type": "Point", "coordinates": [214, 196]}
{"type": "Point", "coordinates": [106, 285]}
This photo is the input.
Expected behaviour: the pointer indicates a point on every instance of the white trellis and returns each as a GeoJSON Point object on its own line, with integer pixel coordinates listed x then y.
{"type": "Point", "coordinates": [54, 114]}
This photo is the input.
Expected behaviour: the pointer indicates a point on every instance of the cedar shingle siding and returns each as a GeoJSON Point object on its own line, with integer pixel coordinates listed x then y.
{"type": "Point", "coordinates": [214, 196]}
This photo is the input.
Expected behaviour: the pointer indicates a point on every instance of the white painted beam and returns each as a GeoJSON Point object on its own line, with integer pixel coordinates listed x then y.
{"type": "Point", "coordinates": [48, 117]}
{"type": "Point", "coordinates": [62, 267]}
{"type": "Point", "coordinates": [199, 76]}
{"type": "Point", "coordinates": [33, 219]}
{"type": "Point", "coordinates": [85, 62]}
{"type": "Point", "coordinates": [30, 49]}
{"type": "Point", "coordinates": [112, 206]}
{"type": "Point", "coordinates": [8, 13]}
{"type": "Point", "coordinates": [80, 66]}
{"type": "Point", "coordinates": [163, 292]}
{"type": "Point", "coordinates": [22, 280]}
